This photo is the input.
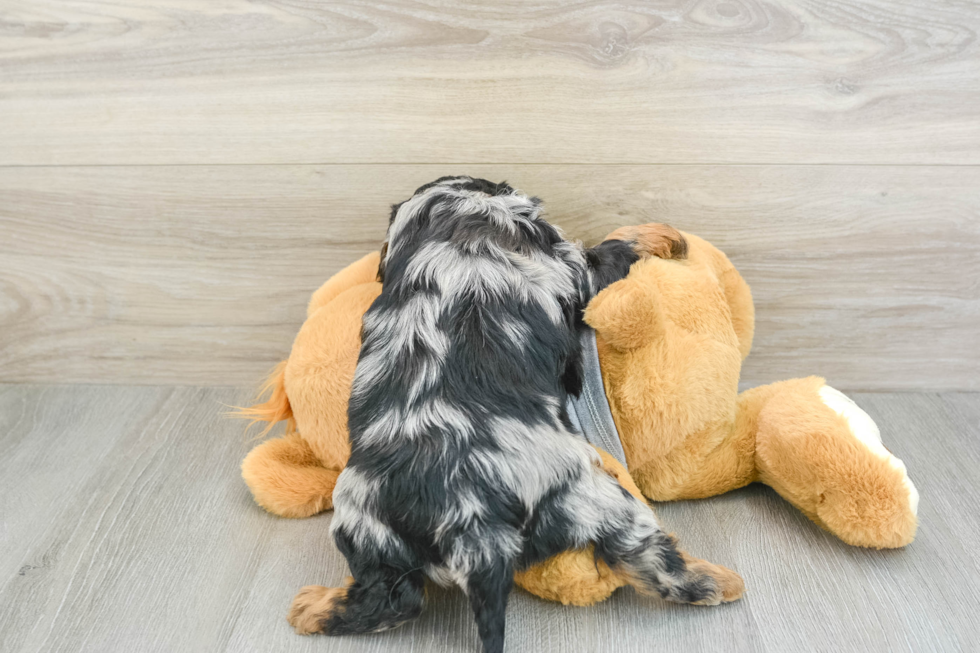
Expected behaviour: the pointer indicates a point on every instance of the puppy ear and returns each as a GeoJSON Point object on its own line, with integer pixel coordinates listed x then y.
{"type": "Point", "coordinates": [382, 261]}
{"type": "Point", "coordinates": [627, 315]}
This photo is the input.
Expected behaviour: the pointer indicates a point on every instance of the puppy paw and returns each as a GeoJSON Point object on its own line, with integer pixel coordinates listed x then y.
{"type": "Point", "coordinates": [653, 239]}
{"type": "Point", "coordinates": [728, 585]}
{"type": "Point", "coordinates": [313, 606]}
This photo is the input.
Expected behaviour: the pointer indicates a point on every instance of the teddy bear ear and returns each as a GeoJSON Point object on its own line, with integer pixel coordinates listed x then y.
{"type": "Point", "coordinates": [626, 314]}
{"type": "Point", "coordinates": [364, 270]}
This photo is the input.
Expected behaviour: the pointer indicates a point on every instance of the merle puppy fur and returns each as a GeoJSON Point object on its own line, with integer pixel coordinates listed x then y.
{"type": "Point", "coordinates": [464, 466]}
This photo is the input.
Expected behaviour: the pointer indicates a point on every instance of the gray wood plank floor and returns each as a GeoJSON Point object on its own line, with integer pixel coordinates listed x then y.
{"type": "Point", "coordinates": [124, 526]}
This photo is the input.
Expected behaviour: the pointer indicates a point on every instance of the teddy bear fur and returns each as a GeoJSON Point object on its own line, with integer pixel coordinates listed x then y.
{"type": "Point", "coordinates": [671, 338]}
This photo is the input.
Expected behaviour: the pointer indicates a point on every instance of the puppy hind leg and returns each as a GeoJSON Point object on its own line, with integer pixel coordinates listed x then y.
{"type": "Point", "coordinates": [629, 539]}
{"type": "Point", "coordinates": [371, 602]}
{"type": "Point", "coordinates": [386, 588]}
{"type": "Point", "coordinates": [729, 583]}
{"type": "Point", "coordinates": [657, 566]}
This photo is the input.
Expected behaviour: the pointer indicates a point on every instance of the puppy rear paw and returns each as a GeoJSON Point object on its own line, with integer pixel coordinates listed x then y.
{"type": "Point", "coordinates": [313, 606]}
{"type": "Point", "coordinates": [653, 239]}
{"type": "Point", "coordinates": [729, 586]}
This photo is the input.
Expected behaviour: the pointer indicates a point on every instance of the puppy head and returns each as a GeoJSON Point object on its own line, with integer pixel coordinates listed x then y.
{"type": "Point", "coordinates": [445, 202]}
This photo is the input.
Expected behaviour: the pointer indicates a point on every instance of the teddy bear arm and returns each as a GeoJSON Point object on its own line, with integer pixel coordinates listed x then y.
{"type": "Point", "coordinates": [287, 479]}
{"type": "Point", "coordinates": [822, 453]}
{"type": "Point", "coordinates": [626, 315]}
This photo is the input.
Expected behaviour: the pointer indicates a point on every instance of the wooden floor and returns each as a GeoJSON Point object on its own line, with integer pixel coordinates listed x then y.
{"type": "Point", "coordinates": [126, 527]}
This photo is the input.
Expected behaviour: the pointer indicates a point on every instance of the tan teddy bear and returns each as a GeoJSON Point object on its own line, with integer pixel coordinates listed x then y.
{"type": "Point", "coordinates": [670, 338]}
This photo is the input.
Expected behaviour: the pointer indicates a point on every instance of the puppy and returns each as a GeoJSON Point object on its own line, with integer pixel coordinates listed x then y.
{"type": "Point", "coordinates": [464, 466]}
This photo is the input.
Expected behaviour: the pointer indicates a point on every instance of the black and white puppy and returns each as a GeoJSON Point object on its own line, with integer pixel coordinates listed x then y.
{"type": "Point", "coordinates": [464, 466]}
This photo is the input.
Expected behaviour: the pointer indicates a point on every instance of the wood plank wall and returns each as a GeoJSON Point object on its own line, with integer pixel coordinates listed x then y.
{"type": "Point", "coordinates": [176, 177]}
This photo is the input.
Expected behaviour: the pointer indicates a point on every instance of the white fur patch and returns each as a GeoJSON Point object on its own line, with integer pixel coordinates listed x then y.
{"type": "Point", "coordinates": [503, 210]}
{"type": "Point", "coordinates": [412, 324]}
{"type": "Point", "coordinates": [476, 550]}
{"type": "Point", "coordinates": [354, 512]}
{"type": "Point", "coordinates": [532, 459]}
{"type": "Point", "coordinates": [406, 212]}
{"type": "Point", "coordinates": [866, 432]}
{"type": "Point", "coordinates": [408, 328]}
{"type": "Point", "coordinates": [456, 272]}
{"type": "Point", "coordinates": [465, 510]}
{"type": "Point", "coordinates": [446, 577]}
{"type": "Point", "coordinates": [437, 413]}
{"type": "Point", "coordinates": [495, 273]}
{"type": "Point", "coordinates": [417, 422]}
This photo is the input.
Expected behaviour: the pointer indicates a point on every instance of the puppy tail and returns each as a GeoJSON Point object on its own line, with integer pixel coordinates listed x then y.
{"type": "Point", "coordinates": [488, 590]}
{"type": "Point", "coordinates": [275, 409]}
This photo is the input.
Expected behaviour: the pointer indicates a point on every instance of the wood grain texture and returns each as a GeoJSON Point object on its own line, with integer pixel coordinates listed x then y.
{"type": "Point", "coordinates": [868, 275]}
{"type": "Point", "coordinates": [126, 527]}
{"type": "Point", "coordinates": [301, 81]}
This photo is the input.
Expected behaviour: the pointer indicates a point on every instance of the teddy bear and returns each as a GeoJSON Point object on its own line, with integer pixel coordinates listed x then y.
{"type": "Point", "coordinates": [670, 339]}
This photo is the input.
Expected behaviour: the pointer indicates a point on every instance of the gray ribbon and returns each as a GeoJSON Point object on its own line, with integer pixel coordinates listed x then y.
{"type": "Point", "coordinates": [589, 412]}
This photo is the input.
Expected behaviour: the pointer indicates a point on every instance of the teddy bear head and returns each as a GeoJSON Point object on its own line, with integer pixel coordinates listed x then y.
{"type": "Point", "coordinates": [671, 338]}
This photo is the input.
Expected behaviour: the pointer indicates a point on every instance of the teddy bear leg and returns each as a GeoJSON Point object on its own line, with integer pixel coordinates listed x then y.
{"type": "Point", "coordinates": [287, 479]}
{"type": "Point", "coordinates": [571, 578]}
{"type": "Point", "coordinates": [821, 452]}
